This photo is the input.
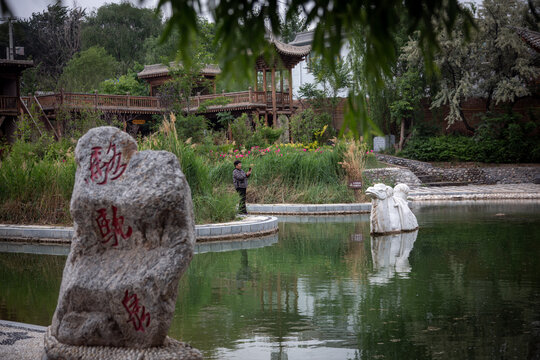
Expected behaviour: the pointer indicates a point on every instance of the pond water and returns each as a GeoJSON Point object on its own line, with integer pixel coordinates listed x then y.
{"type": "Point", "coordinates": [467, 285]}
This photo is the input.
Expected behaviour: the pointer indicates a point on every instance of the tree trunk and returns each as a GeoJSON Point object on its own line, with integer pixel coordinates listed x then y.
{"type": "Point", "coordinates": [467, 126]}
{"type": "Point", "coordinates": [401, 135]}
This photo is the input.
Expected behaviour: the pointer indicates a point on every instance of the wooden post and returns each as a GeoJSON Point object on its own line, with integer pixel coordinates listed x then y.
{"type": "Point", "coordinates": [198, 98]}
{"type": "Point", "coordinates": [61, 96]}
{"type": "Point", "coordinates": [250, 95]}
{"type": "Point", "coordinates": [96, 98]}
{"type": "Point", "coordinates": [264, 86]}
{"type": "Point", "coordinates": [281, 82]}
{"type": "Point", "coordinates": [256, 87]}
{"type": "Point", "coordinates": [290, 90]}
{"type": "Point", "coordinates": [274, 109]}
{"type": "Point", "coordinates": [128, 100]}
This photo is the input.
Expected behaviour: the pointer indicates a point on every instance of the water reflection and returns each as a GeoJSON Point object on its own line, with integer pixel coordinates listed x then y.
{"type": "Point", "coordinates": [472, 292]}
{"type": "Point", "coordinates": [390, 254]}
{"type": "Point", "coordinates": [200, 248]}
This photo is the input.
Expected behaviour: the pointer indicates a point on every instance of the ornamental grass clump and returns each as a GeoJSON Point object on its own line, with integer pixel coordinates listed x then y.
{"type": "Point", "coordinates": [354, 160]}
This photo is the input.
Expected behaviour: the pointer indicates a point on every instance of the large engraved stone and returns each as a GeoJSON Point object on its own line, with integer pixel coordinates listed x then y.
{"type": "Point", "coordinates": [134, 238]}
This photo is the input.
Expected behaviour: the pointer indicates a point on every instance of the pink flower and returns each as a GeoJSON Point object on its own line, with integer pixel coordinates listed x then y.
{"type": "Point", "coordinates": [280, 154]}
{"type": "Point", "coordinates": [305, 149]}
{"type": "Point", "coordinates": [371, 150]}
{"type": "Point", "coordinates": [236, 150]}
{"type": "Point", "coordinates": [249, 152]}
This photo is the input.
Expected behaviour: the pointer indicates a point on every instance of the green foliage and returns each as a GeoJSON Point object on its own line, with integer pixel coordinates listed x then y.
{"type": "Point", "coordinates": [409, 93]}
{"type": "Point", "coordinates": [240, 130]}
{"type": "Point", "coordinates": [500, 139]}
{"type": "Point", "coordinates": [126, 84]}
{"type": "Point", "coordinates": [121, 29]}
{"type": "Point", "coordinates": [305, 125]}
{"type": "Point", "coordinates": [507, 63]}
{"type": "Point", "coordinates": [37, 180]}
{"type": "Point", "coordinates": [191, 126]}
{"type": "Point", "coordinates": [77, 124]}
{"type": "Point", "coordinates": [292, 24]}
{"type": "Point", "coordinates": [50, 38]}
{"type": "Point", "coordinates": [87, 69]}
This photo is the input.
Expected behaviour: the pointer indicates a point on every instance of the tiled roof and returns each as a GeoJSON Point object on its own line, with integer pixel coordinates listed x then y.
{"type": "Point", "coordinates": [303, 38]}
{"type": "Point", "coordinates": [156, 70]}
{"type": "Point", "coordinates": [291, 50]}
{"type": "Point", "coordinates": [532, 38]}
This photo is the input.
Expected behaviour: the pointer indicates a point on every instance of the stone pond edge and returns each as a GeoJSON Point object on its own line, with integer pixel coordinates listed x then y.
{"type": "Point", "coordinates": [251, 226]}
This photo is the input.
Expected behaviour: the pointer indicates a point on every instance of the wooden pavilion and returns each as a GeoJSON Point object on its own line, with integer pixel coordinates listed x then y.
{"type": "Point", "coordinates": [272, 93]}
{"type": "Point", "coordinates": [10, 94]}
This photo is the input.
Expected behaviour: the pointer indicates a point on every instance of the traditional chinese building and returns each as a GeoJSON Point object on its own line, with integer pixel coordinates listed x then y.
{"type": "Point", "coordinates": [10, 94]}
{"type": "Point", "coordinates": [270, 97]}
{"type": "Point", "coordinates": [157, 74]}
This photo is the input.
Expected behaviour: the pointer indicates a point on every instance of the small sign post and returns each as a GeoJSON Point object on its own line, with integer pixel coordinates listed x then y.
{"type": "Point", "coordinates": [139, 121]}
{"type": "Point", "coordinates": [356, 185]}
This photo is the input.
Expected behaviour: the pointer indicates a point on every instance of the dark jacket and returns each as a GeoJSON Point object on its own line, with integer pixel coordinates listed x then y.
{"type": "Point", "coordinates": [240, 179]}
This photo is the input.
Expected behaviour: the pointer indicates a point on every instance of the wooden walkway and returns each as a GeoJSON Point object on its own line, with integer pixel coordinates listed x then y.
{"type": "Point", "coordinates": [259, 101]}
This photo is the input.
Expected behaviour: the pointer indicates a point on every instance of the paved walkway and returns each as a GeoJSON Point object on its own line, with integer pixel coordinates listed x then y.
{"type": "Point", "coordinates": [20, 341]}
{"type": "Point", "coordinates": [476, 192]}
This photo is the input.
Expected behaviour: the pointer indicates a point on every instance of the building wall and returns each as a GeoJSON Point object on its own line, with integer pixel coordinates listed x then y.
{"type": "Point", "coordinates": [301, 74]}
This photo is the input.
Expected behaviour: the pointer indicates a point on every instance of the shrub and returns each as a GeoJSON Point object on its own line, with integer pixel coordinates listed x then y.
{"type": "Point", "coordinates": [501, 138]}
{"type": "Point", "coordinates": [304, 125]}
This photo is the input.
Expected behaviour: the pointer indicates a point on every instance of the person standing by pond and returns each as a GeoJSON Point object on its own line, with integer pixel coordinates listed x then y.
{"type": "Point", "coordinates": [240, 184]}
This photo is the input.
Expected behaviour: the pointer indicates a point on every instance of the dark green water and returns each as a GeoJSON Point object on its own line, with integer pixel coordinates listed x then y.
{"type": "Point", "coordinates": [468, 287]}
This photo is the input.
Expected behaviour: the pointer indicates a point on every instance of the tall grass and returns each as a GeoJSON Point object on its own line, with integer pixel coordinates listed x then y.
{"type": "Point", "coordinates": [37, 176]}
{"type": "Point", "coordinates": [36, 186]}
{"type": "Point", "coordinates": [210, 204]}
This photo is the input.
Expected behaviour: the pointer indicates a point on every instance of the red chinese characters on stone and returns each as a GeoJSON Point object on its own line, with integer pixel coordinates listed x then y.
{"type": "Point", "coordinates": [111, 228]}
{"type": "Point", "coordinates": [102, 171]}
{"type": "Point", "coordinates": [137, 313]}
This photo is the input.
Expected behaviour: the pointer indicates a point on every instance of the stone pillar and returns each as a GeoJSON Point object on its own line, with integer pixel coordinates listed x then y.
{"type": "Point", "coordinates": [134, 235]}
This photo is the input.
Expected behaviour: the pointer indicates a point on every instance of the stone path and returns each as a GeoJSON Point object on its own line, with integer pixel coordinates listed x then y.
{"type": "Point", "coordinates": [476, 192]}
{"type": "Point", "coordinates": [20, 341]}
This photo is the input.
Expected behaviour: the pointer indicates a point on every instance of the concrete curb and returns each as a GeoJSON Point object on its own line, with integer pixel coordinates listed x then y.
{"type": "Point", "coordinates": [251, 226]}
{"type": "Point", "coordinates": [309, 209]}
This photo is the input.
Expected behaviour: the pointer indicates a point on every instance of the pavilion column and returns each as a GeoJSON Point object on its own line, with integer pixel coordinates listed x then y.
{"type": "Point", "coordinates": [274, 109]}
{"type": "Point", "coordinates": [281, 82]}
{"type": "Point", "coordinates": [256, 80]}
{"type": "Point", "coordinates": [290, 90]}
{"type": "Point", "coordinates": [265, 97]}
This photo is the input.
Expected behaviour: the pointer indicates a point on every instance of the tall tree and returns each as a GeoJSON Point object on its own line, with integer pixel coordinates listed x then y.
{"type": "Point", "coordinates": [50, 39]}
{"type": "Point", "coordinates": [241, 28]}
{"type": "Point", "coordinates": [121, 30]}
{"type": "Point", "coordinates": [292, 24]}
{"type": "Point", "coordinates": [495, 64]}
{"type": "Point", "coordinates": [87, 69]}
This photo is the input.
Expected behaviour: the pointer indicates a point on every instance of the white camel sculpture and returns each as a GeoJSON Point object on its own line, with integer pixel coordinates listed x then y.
{"type": "Point", "coordinates": [390, 212]}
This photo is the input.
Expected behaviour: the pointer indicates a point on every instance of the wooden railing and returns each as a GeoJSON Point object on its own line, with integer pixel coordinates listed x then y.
{"type": "Point", "coordinates": [151, 103]}
{"type": "Point", "coordinates": [253, 97]}
{"type": "Point", "coordinates": [9, 103]}
{"type": "Point", "coordinates": [100, 101]}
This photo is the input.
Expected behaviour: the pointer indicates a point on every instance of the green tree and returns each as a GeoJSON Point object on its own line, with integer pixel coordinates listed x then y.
{"type": "Point", "coordinates": [495, 64]}
{"type": "Point", "coordinates": [126, 84]}
{"type": "Point", "coordinates": [87, 69]}
{"type": "Point", "coordinates": [409, 92]}
{"type": "Point", "coordinates": [121, 30]}
{"type": "Point", "coordinates": [241, 27]}
{"type": "Point", "coordinates": [333, 81]}
{"type": "Point", "coordinates": [160, 49]}
{"type": "Point", "coordinates": [292, 24]}
{"type": "Point", "coordinates": [51, 38]}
